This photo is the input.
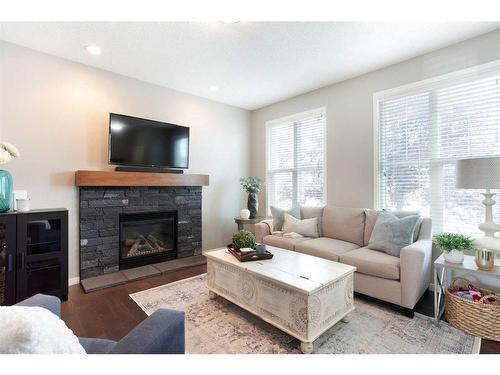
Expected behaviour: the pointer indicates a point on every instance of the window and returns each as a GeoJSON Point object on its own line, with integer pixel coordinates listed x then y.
{"type": "Point", "coordinates": [296, 160]}
{"type": "Point", "coordinates": [423, 130]}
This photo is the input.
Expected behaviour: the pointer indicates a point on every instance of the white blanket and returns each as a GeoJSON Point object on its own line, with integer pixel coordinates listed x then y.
{"type": "Point", "coordinates": [35, 330]}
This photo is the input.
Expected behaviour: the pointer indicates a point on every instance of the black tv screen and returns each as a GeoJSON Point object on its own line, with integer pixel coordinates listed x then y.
{"type": "Point", "coordinates": [139, 142]}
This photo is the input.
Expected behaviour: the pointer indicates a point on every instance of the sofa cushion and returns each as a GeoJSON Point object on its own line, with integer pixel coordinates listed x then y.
{"type": "Point", "coordinates": [390, 233]}
{"type": "Point", "coordinates": [279, 216]}
{"type": "Point", "coordinates": [372, 262]}
{"type": "Point", "coordinates": [324, 247]}
{"type": "Point", "coordinates": [305, 227]}
{"type": "Point", "coordinates": [342, 223]}
{"type": "Point", "coordinates": [307, 212]}
{"type": "Point", "coordinates": [283, 242]}
{"type": "Point", "coordinates": [371, 218]}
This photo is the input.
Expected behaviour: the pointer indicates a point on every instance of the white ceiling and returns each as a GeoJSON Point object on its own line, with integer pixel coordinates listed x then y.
{"type": "Point", "coordinates": [253, 63]}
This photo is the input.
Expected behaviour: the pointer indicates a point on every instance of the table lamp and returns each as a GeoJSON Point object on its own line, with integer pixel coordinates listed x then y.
{"type": "Point", "coordinates": [484, 174]}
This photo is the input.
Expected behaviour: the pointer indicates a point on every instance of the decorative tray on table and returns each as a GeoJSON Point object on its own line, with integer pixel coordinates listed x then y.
{"type": "Point", "coordinates": [249, 256]}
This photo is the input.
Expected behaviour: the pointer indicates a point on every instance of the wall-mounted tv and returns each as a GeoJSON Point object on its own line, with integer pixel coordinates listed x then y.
{"type": "Point", "coordinates": [138, 142]}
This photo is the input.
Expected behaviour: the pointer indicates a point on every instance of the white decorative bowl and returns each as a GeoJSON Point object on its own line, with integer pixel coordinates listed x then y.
{"type": "Point", "coordinates": [245, 214]}
{"type": "Point", "coordinates": [453, 256]}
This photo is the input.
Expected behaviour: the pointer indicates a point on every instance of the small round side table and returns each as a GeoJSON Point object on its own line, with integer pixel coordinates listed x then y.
{"type": "Point", "coordinates": [240, 222]}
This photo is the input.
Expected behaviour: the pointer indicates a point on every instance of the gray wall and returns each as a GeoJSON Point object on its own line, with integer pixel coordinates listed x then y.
{"type": "Point", "coordinates": [350, 116]}
{"type": "Point", "coordinates": [56, 112]}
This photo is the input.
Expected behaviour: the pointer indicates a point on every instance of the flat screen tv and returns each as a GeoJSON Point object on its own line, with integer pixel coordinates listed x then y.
{"type": "Point", "coordinates": [138, 142]}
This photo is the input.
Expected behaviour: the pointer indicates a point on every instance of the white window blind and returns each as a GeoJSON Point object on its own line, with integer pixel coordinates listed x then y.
{"type": "Point", "coordinates": [296, 160]}
{"type": "Point", "coordinates": [421, 134]}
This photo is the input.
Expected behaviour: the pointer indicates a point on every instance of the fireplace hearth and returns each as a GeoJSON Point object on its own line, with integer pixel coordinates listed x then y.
{"type": "Point", "coordinates": [146, 238]}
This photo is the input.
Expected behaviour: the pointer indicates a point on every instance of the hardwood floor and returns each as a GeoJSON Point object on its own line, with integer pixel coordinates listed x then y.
{"type": "Point", "coordinates": [111, 313]}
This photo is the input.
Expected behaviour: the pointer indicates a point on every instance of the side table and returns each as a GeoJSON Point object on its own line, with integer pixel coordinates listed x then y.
{"type": "Point", "coordinates": [240, 222]}
{"type": "Point", "coordinates": [442, 270]}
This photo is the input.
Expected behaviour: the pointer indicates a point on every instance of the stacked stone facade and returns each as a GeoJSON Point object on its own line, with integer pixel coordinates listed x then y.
{"type": "Point", "coordinates": [100, 210]}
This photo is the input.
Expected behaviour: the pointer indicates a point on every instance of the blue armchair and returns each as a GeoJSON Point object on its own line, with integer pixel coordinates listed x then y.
{"type": "Point", "coordinates": [160, 333]}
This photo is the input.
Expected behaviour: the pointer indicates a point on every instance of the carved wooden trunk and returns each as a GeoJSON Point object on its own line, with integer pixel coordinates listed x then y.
{"type": "Point", "coordinates": [300, 294]}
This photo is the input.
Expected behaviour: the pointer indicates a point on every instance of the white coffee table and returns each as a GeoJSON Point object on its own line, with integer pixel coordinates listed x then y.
{"type": "Point", "coordinates": [300, 294]}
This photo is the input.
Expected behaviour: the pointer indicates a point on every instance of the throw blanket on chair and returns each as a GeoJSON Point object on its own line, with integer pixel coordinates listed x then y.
{"type": "Point", "coordinates": [35, 330]}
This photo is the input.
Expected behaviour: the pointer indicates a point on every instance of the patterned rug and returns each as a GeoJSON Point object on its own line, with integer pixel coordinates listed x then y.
{"type": "Point", "coordinates": [219, 326]}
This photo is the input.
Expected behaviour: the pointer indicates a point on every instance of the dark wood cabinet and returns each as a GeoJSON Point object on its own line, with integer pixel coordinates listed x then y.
{"type": "Point", "coordinates": [8, 255]}
{"type": "Point", "coordinates": [36, 254]}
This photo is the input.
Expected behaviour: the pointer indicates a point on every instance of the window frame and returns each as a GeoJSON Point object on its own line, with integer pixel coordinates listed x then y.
{"type": "Point", "coordinates": [294, 118]}
{"type": "Point", "coordinates": [456, 77]}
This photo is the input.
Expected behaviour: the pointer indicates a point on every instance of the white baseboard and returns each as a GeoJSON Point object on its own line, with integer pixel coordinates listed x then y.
{"type": "Point", "coordinates": [74, 281]}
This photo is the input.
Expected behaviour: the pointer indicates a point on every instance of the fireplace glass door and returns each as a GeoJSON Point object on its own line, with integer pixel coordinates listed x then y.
{"type": "Point", "coordinates": [147, 238]}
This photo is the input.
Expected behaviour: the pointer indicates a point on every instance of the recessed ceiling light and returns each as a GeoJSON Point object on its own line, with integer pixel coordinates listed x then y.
{"type": "Point", "coordinates": [93, 49]}
{"type": "Point", "coordinates": [213, 87]}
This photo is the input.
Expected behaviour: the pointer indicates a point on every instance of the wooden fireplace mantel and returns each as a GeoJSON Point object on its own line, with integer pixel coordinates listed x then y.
{"type": "Point", "coordinates": [113, 178]}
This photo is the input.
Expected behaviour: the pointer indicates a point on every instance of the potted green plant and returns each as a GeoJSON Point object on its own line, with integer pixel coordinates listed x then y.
{"type": "Point", "coordinates": [252, 186]}
{"type": "Point", "coordinates": [243, 238]}
{"type": "Point", "coordinates": [453, 246]}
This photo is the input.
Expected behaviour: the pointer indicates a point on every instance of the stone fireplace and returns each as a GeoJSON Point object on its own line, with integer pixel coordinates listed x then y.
{"type": "Point", "coordinates": [126, 227]}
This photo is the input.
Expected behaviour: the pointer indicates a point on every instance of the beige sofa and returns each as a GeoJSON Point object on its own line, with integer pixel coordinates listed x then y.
{"type": "Point", "coordinates": [344, 236]}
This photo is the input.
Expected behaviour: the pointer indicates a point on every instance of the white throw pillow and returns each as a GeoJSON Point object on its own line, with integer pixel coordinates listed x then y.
{"type": "Point", "coordinates": [306, 227]}
{"type": "Point", "coordinates": [35, 330]}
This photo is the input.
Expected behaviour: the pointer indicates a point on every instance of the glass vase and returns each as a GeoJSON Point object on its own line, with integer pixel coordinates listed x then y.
{"type": "Point", "coordinates": [5, 191]}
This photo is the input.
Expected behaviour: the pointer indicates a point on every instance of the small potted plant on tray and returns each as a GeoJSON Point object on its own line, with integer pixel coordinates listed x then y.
{"type": "Point", "coordinates": [453, 246]}
{"type": "Point", "coordinates": [243, 239]}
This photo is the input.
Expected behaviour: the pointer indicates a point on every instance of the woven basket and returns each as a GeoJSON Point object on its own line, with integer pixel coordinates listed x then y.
{"type": "Point", "coordinates": [474, 317]}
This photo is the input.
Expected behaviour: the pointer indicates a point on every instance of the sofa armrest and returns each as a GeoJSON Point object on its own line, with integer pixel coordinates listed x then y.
{"type": "Point", "coordinates": [415, 263]}
{"type": "Point", "coordinates": [51, 303]}
{"type": "Point", "coordinates": [160, 333]}
{"type": "Point", "coordinates": [263, 229]}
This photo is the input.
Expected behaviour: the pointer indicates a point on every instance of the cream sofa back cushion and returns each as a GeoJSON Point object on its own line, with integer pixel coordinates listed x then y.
{"type": "Point", "coordinates": [308, 212]}
{"type": "Point", "coordinates": [346, 224]}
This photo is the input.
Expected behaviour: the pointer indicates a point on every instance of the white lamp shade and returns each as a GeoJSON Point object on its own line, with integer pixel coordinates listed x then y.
{"type": "Point", "coordinates": [478, 173]}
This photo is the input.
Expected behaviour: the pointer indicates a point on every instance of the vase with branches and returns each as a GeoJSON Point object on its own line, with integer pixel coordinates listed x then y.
{"type": "Point", "coordinates": [252, 185]}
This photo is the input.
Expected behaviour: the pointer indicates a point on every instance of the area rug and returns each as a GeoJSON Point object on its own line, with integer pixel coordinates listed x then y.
{"type": "Point", "coordinates": [219, 326]}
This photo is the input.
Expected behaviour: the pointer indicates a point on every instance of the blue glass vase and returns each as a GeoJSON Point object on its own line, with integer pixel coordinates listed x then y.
{"type": "Point", "coordinates": [5, 191]}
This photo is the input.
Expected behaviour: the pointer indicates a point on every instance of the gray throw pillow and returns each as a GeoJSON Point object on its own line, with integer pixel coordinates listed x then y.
{"type": "Point", "coordinates": [390, 234]}
{"type": "Point", "coordinates": [279, 216]}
